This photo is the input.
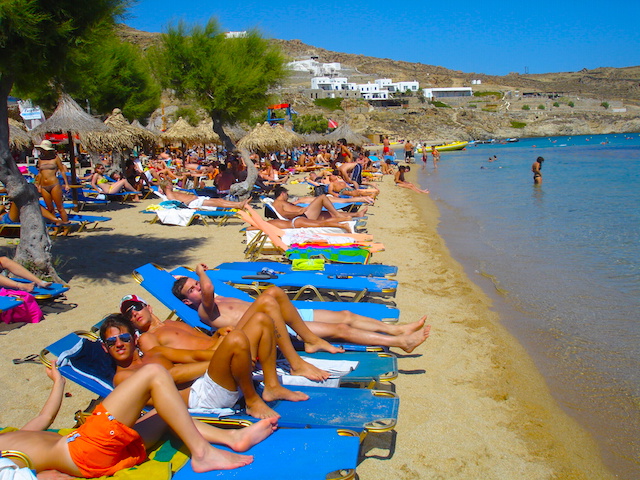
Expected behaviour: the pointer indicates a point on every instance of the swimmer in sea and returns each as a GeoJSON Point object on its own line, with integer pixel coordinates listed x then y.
{"type": "Point", "coordinates": [535, 168]}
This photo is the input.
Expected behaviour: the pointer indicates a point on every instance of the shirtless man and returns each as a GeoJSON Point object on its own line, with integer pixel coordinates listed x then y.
{"type": "Point", "coordinates": [351, 173]}
{"type": "Point", "coordinates": [337, 186]}
{"type": "Point", "coordinates": [77, 454]}
{"type": "Point", "coordinates": [194, 201]}
{"type": "Point", "coordinates": [535, 168]}
{"type": "Point", "coordinates": [436, 156]}
{"type": "Point", "coordinates": [317, 325]}
{"type": "Point", "coordinates": [312, 211]}
{"type": "Point", "coordinates": [215, 377]}
{"type": "Point", "coordinates": [386, 146]}
{"type": "Point", "coordinates": [408, 151]}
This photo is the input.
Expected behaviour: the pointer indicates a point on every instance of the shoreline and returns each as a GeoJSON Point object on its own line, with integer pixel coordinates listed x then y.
{"type": "Point", "coordinates": [473, 405]}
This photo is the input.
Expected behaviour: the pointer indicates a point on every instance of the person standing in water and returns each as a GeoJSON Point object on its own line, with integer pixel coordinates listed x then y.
{"type": "Point", "coordinates": [535, 168]}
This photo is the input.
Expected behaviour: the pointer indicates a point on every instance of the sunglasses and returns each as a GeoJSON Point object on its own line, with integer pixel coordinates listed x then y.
{"type": "Point", "coordinates": [111, 341]}
{"type": "Point", "coordinates": [136, 307]}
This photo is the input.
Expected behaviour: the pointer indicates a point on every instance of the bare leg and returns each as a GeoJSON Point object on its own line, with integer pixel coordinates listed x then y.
{"type": "Point", "coordinates": [154, 382]}
{"type": "Point", "coordinates": [18, 270]}
{"type": "Point", "coordinates": [260, 330]}
{"type": "Point", "coordinates": [231, 366]}
{"type": "Point", "coordinates": [56, 195]}
{"type": "Point", "coordinates": [361, 322]}
{"type": "Point", "coordinates": [221, 203]}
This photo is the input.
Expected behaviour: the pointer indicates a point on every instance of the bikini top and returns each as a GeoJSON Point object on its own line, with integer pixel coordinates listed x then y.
{"type": "Point", "coordinates": [102, 180]}
{"type": "Point", "coordinates": [47, 166]}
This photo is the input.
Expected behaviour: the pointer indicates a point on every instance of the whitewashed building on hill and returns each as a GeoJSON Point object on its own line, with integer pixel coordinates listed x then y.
{"type": "Point", "coordinates": [437, 93]}
{"type": "Point", "coordinates": [314, 67]}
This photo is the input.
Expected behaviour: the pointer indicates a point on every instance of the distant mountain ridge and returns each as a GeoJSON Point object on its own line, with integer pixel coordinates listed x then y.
{"type": "Point", "coordinates": [607, 83]}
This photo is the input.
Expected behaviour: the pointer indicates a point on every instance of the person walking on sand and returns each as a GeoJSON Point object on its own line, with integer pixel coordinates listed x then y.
{"type": "Point", "coordinates": [535, 168]}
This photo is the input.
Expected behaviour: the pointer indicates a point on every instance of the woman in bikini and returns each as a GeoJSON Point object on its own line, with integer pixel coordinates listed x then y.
{"type": "Point", "coordinates": [47, 181]}
{"type": "Point", "coordinates": [102, 184]}
{"type": "Point", "coordinates": [401, 182]}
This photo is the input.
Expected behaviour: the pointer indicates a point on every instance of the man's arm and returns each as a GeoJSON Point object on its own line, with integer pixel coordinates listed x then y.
{"type": "Point", "coordinates": [51, 407]}
{"type": "Point", "coordinates": [208, 292]}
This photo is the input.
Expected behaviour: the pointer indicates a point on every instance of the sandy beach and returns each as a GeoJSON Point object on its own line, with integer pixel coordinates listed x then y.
{"type": "Point", "coordinates": [472, 403]}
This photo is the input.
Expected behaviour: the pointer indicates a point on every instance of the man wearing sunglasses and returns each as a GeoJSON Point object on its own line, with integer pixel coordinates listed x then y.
{"type": "Point", "coordinates": [208, 378]}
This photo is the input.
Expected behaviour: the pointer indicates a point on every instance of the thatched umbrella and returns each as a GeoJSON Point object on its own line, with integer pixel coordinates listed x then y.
{"type": "Point", "coordinates": [71, 119]}
{"type": "Point", "coordinates": [181, 131]}
{"type": "Point", "coordinates": [19, 139]}
{"type": "Point", "coordinates": [265, 138]}
{"type": "Point", "coordinates": [207, 135]}
{"type": "Point", "coordinates": [144, 134]}
{"type": "Point", "coordinates": [295, 139]}
{"type": "Point", "coordinates": [121, 134]}
{"type": "Point", "coordinates": [312, 138]}
{"type": "Point", "coordinates": [344, 131]}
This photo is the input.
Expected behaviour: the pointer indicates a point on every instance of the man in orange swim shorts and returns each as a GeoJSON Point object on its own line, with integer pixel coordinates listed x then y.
{"type": "Point", "coordinates": [115, 436]}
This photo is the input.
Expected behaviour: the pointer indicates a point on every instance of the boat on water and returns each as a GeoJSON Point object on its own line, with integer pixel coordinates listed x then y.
{"type": "Point", "coordinates": [449, 147]}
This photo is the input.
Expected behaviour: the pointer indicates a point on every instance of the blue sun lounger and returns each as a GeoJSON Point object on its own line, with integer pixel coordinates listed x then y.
{"type": "Point", "coordinates": [292, 454]}
{"type": "Point", "coordinates": [7, 303]}
{"type": "Point", "coordinates": [41, 293]}
{"type": "Point", "coordinates": [83, 360]}
{"type": "Point", "coordinates": [330, 269]}
{"type": "Point", "coordinates": [298, 283]}
{"type": "Point", "coordinates": [381, 366]}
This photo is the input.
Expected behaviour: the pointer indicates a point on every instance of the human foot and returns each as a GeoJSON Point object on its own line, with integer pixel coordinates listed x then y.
{"type": "Point", "coordinates": [309, 371]}
{"type": "Point", "coordinates": [245, 438]}
{"type": "Point", "coordinates": [258, 409]}
{"type": "Point", "coordinates": [361, 213]}
{"type": "Point", "coordinates": [410, 327]}
{"type": "Point", "coordinates": [321, 345]}
{"type": "Point", "coordinates": [44, 284]}
{"type": "Point", "coordinates": [216, 459]}
{"type": "Point", "coordinates": [278, 392]}
{"type": "Point", "coordinates": [411, 341]}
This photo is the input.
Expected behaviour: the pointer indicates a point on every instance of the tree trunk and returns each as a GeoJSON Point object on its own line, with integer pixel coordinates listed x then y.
{"type": "Point", "coordinates": [34, 250]}
{"type": "Point", "coordinates": [242, 190]}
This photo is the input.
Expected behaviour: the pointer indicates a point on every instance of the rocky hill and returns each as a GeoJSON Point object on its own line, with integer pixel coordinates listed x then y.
{"type": "Point", "coordinates": [507, 115]}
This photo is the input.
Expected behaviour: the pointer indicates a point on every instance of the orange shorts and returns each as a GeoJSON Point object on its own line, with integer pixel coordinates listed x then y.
{"type": "Point", "coordinates": [103, 445]}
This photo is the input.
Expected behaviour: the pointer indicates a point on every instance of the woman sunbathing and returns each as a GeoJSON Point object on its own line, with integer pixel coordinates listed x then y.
{"type": "Point", "coordinates": [401, 182]}
{"type": "Point", "coordinates": [102, 184]}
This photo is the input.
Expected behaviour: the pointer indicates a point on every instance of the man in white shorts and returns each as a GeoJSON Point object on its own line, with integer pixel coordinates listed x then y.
{"type": "Point", "coordinates": [207, 379]}
{"type": "Point", "coordinates": [194, 201]}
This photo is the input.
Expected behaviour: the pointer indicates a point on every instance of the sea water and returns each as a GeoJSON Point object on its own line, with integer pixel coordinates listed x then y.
{"type": "Point", "coordinates": [562, 262]}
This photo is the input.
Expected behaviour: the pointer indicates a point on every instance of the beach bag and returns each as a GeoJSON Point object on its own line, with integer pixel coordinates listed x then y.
{"type": "Point", "coordinates": [319, 190]}
{"type": "Point", "coordinates": [28, 311]}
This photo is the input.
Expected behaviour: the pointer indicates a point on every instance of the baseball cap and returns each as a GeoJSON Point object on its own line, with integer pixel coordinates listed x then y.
{"type": "Point", "coordinates": [129, 300]}
{"type": "Point", "coordinates": [46, 145]}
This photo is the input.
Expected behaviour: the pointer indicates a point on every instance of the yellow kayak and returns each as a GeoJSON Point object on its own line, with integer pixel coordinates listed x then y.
{"type": "Point", "coordinates": [448, 147]}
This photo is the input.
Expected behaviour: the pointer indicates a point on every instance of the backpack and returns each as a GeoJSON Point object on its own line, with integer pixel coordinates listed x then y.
{"type": "Point", "coordinates": [28, 311]}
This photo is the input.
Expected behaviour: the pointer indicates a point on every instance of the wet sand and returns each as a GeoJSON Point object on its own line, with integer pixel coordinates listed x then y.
{"type": "Point", "coordinates": [472, 403]}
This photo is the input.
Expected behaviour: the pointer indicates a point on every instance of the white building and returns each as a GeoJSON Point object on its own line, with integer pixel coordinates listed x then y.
{"type": "Point", "coordinates": [314, 67]}
{"type": "Point", "coordinates": [436, 93]}
{"type": "Point", "coordinates": [236, 34]}
{"type": "Point", "coordinates": [337, 83]}
{"type": "Point", "coordinates": [400, 87]}
{"type": "Point", "coordinates": [373, 91]}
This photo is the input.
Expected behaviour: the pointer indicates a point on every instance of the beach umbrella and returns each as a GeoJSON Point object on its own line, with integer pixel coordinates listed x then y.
{"type": "Point", "coordinates": [182, 132]}
{"type": "Point", "coordinates": [292, 138]}
{"type": "Point", "coordinates": [265, 138]}
{"type": "Point", "coordinates": [207, 135]}
{"type": "Point", "coordinates": [344, 131]}
{"type": "Point", "coordinates": [19, 139]}
{"type": "Point", "coordinates": [71, 119]}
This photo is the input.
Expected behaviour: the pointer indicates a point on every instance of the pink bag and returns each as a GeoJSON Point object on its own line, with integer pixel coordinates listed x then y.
{"type": "Point", "coordinates": [28, 311]}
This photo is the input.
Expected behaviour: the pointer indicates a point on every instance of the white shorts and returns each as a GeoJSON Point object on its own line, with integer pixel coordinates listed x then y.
{"type": "Point", "coordinates": [207, 394]}
{"type": "Point", "coordinates": [307, 316]}
{"type": "Point", "coordinates": [198, 202]}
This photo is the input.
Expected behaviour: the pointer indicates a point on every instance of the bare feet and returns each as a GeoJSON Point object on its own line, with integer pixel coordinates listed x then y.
{"type": "Point", "coordinates": [309, 371]}
{"type": "Point", "coordinates": [411, 341]}
{"type": "Point", "coordinates": [215, 459]}
{"type": "Point", "coordinates": [361, 213]}
{"type": "Point", "coordinates": [321, 345]}
{"type": "Point", "coordinates": [43, 284]}
{"type": "Point", "coordinates": [258, 409]}
{"type": "Point", "coordinates": [245, 438]}
{"type": "Point", "coordinates": [410, 327]}
{"type": "Point", "coordinates": [280, 393]}
{"type": "Point", "coordinates": [27, 287]}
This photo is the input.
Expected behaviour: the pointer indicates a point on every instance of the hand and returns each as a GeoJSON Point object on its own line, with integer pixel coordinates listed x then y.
{"type": "Point", "coordinates": [224, 331]}
{"type": "Point", "coordinates": [54, 374]}
{"type": "Point", "coordinates": [201, 268]}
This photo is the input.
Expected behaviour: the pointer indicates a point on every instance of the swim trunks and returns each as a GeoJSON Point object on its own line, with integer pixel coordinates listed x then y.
{"type": "Point", "coordinates": [198, 202]}
{"type": "Point", "coordinates": [207, 394]}
{"type": "Point", "coordinates": [346, 189]}
{"type": "Point", "coordinates": [103, 445]}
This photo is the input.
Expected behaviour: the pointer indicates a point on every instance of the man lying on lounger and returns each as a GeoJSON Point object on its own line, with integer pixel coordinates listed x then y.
{"type": "Point", "coordinates": [312, 211]}
{"type": "Point", "coordinates": [194, 201]}
{"type": "Point", "coordinates": [207, 379]}
{"type": "Point", "coordinates": [115, 437]}
{"type": "Point", "coordinates": [311, 326]}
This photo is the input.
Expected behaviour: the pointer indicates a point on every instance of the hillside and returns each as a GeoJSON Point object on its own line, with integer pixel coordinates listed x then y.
{"type": "Point", "coordinates": [476, 118]}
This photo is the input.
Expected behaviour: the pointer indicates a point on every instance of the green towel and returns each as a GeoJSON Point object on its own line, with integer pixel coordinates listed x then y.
{"type": "Point", "coordinates": [308, 264]}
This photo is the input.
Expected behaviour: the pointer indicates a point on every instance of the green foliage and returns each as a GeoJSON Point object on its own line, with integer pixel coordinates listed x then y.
{"type": "Point", "coordinates": [472, 105]}
{"type": "Point", "coordinates": [439, 104]}
{"type": "Point", "coordinates": [571, 104]}
{"type": "Point", "coordinates": [310, 124]}
{"type": "Point", "coordinates": [189, 114]}
{"type": "Point", "coordinates": [515, 124]}
{"type": "Point", "coordinates": [526, 107]}
{"type": "Point", "coordinates": [330, 104]}
{"type": "Point", "coordinates": [228, 77]}
{"type": "Point", "coordinates": [556, 104]}
{"type": "Point", "coordinates": [605, 105]}
{"type": "Point", "coordinates": [257, 117]}
{"type": "Point", "coordinates": [541, 107]}
{"type": "Point", "coordinates": [487, 94]}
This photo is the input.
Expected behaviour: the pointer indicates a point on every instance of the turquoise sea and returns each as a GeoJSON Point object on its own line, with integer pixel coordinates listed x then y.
{"type": "Point", "coordinates": [562, 263]}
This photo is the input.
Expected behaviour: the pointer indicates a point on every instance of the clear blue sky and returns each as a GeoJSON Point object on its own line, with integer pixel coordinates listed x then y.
{"type": "Point", "coordinates": [493, 37]}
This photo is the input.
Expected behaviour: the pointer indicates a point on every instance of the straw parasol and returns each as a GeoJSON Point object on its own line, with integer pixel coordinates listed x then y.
{"type": "Point", "coordinates": [294, 139]}
{"type": "Point", "coordinates": [265, 138]}
{"type": "Point", "coordinates": [71, 119]}
{"type": "Point", "coordinates": [19, 139]}
{"type": "Point", "coordinates": [207, 135]}
{"type": "Point", "coordinates": [344, 131]}
{"type": "Point", "coordinates": [181, 131]}
{"type": "Point", "coordinates": [121, 134]}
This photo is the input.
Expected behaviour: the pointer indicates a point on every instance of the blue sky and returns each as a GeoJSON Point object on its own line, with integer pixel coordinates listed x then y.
{"type": "Point", "coordinates": [493, 37]}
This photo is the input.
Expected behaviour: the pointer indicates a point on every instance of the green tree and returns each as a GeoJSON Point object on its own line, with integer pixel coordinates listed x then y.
{"type": "Point", "coordinates": [227, 77]}
{"type": "Point", "coordinates": [605, 105]}
{"type": "Point", "coordinates": [37, 37]}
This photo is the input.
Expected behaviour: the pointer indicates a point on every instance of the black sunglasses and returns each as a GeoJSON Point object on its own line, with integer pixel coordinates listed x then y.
{"type": "Point", "coordinates": [111, 341]}
{"type": "Point", "coordinates": [136, 307]}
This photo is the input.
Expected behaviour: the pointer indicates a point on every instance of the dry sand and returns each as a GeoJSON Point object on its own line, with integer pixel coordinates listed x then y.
{"type": "Point", "coordinates": [473, 406]}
